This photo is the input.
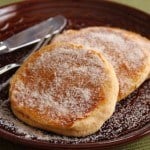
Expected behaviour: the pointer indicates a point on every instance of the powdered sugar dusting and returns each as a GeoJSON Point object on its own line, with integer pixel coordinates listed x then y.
{"type": "Point", "coordinates": [65, 81]}
{"type": "Point", "coordinates": [125, 54]}
{"type": "Point", "coordinates": [131, 114]}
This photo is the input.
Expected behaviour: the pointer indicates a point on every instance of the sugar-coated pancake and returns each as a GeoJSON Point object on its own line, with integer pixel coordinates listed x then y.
{"type": "Point", "coordinates": [65, 88]}
{"type": "Point", "coordinates": [128, 52]}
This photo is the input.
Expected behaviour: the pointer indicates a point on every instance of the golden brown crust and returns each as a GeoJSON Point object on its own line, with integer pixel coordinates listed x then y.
{"type": "Point", "coordinates": [97, 100]}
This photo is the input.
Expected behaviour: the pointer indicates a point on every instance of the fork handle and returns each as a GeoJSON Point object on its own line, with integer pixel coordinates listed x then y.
{"type": "Point", "coordinates": [8, 67]}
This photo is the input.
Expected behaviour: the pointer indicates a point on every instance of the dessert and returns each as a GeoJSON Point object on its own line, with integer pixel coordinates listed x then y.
{"type": "Point", "coordinates": [65, 88]}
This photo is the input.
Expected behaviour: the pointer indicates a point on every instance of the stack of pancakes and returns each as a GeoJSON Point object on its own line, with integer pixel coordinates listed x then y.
{"type": "Point", "coordinates": [71, 86]}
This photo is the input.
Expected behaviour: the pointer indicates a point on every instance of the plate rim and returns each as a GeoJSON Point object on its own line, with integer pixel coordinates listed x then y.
{"type": "Point", "coordinates": [119, 141]}
{"type": "Point", "coordinates": [110, 2]}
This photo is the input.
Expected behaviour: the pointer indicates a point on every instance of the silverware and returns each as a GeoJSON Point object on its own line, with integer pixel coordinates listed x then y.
{"type": "Point", "coordinates": [58, 23]}
{"type": "Point", "coordinates": [14, 65]}
{"type": "Point", "coordinates": [29, 36]}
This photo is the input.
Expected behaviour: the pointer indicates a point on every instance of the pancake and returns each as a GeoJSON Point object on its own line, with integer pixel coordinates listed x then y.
{"type": "Point", "coordinates": [128, 52]}
{"type": "Point", "coordinates": [64, 88]}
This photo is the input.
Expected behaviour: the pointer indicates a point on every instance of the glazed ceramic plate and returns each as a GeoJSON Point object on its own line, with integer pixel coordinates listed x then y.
{"type": "Point", "coordinates": [131, 119]}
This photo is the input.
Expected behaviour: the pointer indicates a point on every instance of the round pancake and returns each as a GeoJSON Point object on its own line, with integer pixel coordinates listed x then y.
{"type": "Point", "coordinates": [66, 89]}
{"type": "Point", "coordinates": [129, 53]}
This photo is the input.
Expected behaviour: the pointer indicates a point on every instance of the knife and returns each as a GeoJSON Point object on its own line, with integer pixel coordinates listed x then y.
{"type": "Point", "coordinates": [31, 35]}
{"type": "Point", "coordinates": [56, 25]}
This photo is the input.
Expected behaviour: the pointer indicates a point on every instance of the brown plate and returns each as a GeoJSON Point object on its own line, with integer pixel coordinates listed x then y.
{"type": "Point", "coordinates": [131, 119]}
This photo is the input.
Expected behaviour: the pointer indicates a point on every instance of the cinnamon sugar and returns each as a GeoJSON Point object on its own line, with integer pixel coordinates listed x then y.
{"type": "Point", "coordinates": [65, 81]}
{"type": "Point", "coordinates": [125, 54]}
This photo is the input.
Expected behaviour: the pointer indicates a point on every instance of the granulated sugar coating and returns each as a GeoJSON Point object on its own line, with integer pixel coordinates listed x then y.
{"type": "Point", "coordinates": [64, 84]}
{"type": "Point", "coordinates": [131, 114]}
{"type": "Point", "coordinates": [123, 49]}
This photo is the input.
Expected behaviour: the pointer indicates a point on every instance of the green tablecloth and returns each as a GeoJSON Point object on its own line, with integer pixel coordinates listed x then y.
{"type": "Point", "coordinates": [142, 144]}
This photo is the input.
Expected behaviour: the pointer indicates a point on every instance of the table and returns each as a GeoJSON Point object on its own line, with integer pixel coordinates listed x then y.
{"type": "Point", "coordinates": [143, 143]}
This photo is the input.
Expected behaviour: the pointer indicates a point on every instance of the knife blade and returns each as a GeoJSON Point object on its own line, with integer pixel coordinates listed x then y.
{"type": "Point", "coordinates": [57, 25]}
{"type": "Point", "coordinates": [32, 35]}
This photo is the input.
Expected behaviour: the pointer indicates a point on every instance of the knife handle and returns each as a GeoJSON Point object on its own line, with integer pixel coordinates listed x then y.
{"type": "Point", "coordinates": [3, 48]}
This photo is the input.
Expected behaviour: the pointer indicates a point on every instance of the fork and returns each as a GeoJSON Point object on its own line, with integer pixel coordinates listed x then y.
{"type": "Point", "coordinates": [14, 65]}
{"type": "Point", "coordinates": [11, 66]}
{"type": "Point", "coordinates": [8, 67]}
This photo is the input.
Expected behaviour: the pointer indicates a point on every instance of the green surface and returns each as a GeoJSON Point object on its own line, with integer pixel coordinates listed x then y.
{"type": "Point", "coordinates": [142, 144]}
{"type": "Point", "coordinates": [143, 5]}
{"type": "Point", "coordinates": [5, 2]}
